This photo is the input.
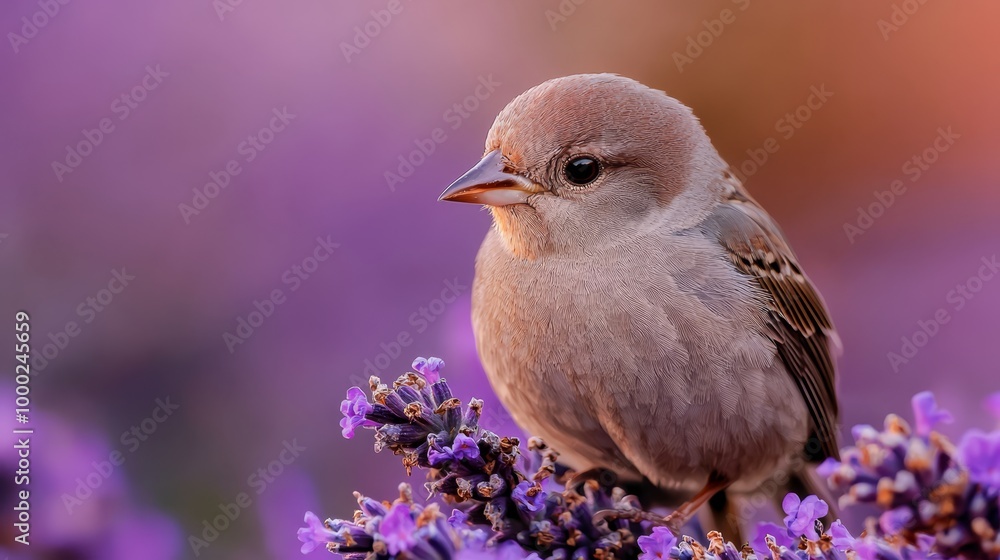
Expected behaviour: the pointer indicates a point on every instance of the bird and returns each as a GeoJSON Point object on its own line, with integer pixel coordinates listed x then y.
{"type": "Point", "coordinates": [635, 308]}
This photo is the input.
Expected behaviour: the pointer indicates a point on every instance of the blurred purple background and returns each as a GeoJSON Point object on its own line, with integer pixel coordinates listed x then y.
{"type": "Point", "coordinates": [93, 185]}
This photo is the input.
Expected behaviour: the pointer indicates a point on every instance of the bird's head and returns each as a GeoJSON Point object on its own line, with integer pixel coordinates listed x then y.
{"type": "Point", "coordinates": [584, 160]}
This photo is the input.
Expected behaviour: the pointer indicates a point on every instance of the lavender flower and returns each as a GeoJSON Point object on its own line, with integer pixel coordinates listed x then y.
{"type": "Point", "coordinates": [397, 529]}
{"type": "Point", "coordinates": [109, 522]}
{"type": "Point", "coordinates": [828, 467]}
{"type": "Point", "coordinates": [314, 534]}
{"type": "Point", "coordinates": [508, 550]}
{"type": "Point", "coordinates": [777, 533]}
{"type": "Point", "coordinates": [464, 448]}
{"type": "Point", "coordinates": [430, 368]}
{"type": "Point", "coordinates": [657, 545]}
{"type": "Point", "coordinates": [840, 536]}
{"type": "Point", "coordinates": [429, 428]}
{"type": "Point", "coordinates": [485, 473]}
{"type": "Point", "coordinates": [529, 497]}
{"type": "Point", "coordinates": [925, 487]}
{"type": "Point", "coordinates": [354, 408]}
{"type": "Point", "coordinates": [688, 548]}
{"type": "Point", "coordinates": [980, 453]}
{"type": "Point", "coordinates": [937, 500]}
{"type": "Point", "coordinates": [802, 515]}
{"type": "Point", "coordinates": [926, 413]}
{"type": "Point", "coordinates": [458, 518]}
{"type": "Point", "coordinates": [895, 520]}
{"type": "Point", "coordinates": [380, 531]}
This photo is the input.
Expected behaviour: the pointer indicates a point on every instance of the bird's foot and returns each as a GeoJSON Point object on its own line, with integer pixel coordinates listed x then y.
{"type": "Point", "coordinates": [675, 521]}
{"type": "Point", "coordinates": [631, 515]}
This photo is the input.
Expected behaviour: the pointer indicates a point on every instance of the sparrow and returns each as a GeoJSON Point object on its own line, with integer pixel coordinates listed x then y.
{"type": "Point", "coordinates": [632, 304]}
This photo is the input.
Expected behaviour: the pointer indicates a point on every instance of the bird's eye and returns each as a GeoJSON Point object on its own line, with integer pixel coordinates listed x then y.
{"type": "Point", "coordinates": [582, 170]}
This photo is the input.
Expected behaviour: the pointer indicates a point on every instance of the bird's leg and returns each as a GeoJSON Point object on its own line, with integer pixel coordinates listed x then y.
{"type": "Point", "coordinates": [687, 510]}
{"type": "Point", "coordinates": [724, 516]}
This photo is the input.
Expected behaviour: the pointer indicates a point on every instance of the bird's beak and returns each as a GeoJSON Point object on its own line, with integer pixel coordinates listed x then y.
{"type": "Point", "coordinates": [490, 183]}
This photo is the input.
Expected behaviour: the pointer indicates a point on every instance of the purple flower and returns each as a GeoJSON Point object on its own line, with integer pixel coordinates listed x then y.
{"type": "Point", "coordinates": [397, 529]}
{"type": "Point", "coordinates": [314, 534]}
{"type": "Point", "coordinates": [458, 518]}
{"type": "Point", "coordinates": [828, 467]}
{"type": "Point", "coordinates": [464, 447]}
{"type": "Point", "coordinates": [472, 539]}
{"type": "Point", "coordinates": [657, 545]}
{"type": "Point", "coordinates": [372, 507]}
{"type": "Point", "coordinates": [866, 549]}
{"type": "Point", "coordinates": [895, 520]}
{"type": "Point", "coordinates": [993, 405]}
{"type": "Point", "coordinates": [528, 496]}
{"type": "Point", "coordinates": [354, 408]}
{"type": "Point", "coordinates": [803, 514]}
{"type": "Point", "coordinates": [980, 453]}
{"type": "Point", "coordinates": [842, 538]}
{"type": "Point", "coordinates": [927, 414]}
{"type": "Point", "coordinates": [430, 368]}
{"type": "Point", "coordinates": [864, 432]}
{"type": "Point", "coordinates": [508, 550]}
{"type": "Point", "coordinates": [511, 551]}
{"type": "Point", "coordinates": [780, 534]}
{"type": "Point", "coordinates": [437, 455]}
{"type": "Point", "coordinates": [925, 542]}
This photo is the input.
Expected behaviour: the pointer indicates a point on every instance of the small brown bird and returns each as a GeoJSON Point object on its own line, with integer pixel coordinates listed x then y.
{"type": "Point", "coordinates": [635, 308]}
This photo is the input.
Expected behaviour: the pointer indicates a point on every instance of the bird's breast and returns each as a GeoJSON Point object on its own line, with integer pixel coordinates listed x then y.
{"type": "Point", "coordinates": [626, 357]}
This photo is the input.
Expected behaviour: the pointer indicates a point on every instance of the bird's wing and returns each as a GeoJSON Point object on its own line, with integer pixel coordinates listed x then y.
{"type": "Point", "coordinates": [800, 326]}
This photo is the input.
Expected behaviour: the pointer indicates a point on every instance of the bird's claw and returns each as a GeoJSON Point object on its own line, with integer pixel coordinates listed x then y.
{"type": "Point", "coordinates": [675, 521]}
{"type": "Point", "coordinates": [631, 515]}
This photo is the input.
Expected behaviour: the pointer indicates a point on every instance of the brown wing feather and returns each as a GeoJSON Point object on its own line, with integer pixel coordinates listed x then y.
{"type": "Point", "coordinates": [801, 328]}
